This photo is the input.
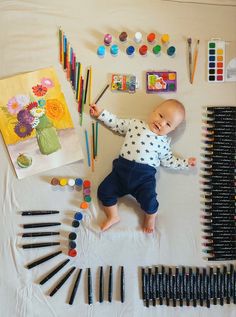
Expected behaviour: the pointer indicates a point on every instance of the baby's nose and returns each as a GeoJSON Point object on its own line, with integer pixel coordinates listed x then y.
{"type": "Point", "coordinates": [163, 122]}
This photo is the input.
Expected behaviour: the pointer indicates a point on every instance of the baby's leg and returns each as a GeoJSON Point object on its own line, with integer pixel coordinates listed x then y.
{"type": "Point", "coordinates": [149, 222]}
{"type": "Point", "coordinates": [112, 217]}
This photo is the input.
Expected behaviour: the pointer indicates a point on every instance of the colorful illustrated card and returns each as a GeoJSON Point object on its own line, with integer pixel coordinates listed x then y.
{"type": "Point", "coordinates": [124, 83]}
{"type": "Point", "coordinates": [161, 82]}
{"type": "Point", "coordinates": [36, 124]}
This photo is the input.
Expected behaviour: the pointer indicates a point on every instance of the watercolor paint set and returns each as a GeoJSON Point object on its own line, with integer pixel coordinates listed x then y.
{"type": "Point", "coordinates": [124, 83]}
{"type": "Point", "coordinates": [161, 81]}
{"type": "Point", "coordinates": [216, 61]}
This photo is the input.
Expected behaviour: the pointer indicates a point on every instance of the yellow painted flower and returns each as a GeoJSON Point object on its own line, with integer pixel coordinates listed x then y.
{"type": "Point", "coordinates": [54, 109]}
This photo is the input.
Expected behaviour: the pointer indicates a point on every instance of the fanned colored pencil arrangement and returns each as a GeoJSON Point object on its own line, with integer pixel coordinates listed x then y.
{"type": "Point", "coordinates": [188, 287]}
{"type": "Point", "coordinates": [73, 70]}
{"type": "Point", "coordinates": [218, 182]}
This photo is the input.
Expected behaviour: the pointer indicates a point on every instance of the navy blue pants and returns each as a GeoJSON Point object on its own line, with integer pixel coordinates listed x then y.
{"type": "Point", "coordinates": [129, 177]}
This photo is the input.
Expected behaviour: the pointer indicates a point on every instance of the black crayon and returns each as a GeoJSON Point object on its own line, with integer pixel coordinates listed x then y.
{"type": "Point", "coordinates": [153, 290]}
{"type": "Point", "coordinates": [208, 293]}
{"type": "Point", "coordinates": [190, 272]}
{"type": "Point", "coordinates": [167, 290]}
{"type": "Point", "coordinates": [122, 285]}
{"type": "Point", "coordinates": [181, 289]}
{"type": "Point", "coordinates": [41, 225]}
{"type": "Point", "coordinates": [110, 285]}
{"type": "Point", "coordinates": [39, 212]}
{"type": "Point", "coordinates": [187, 289]}
{"type": "Point", "coordinates": [143, 283]}
{"type": "Point", "coordinates": [163, 282]}
{"type": "Point", "coordinates": [147, 289]}
{"type": "Point", "coordinates": [39, 245]}
{"type": "Point", "coordinates": [75, 288]}
{"type": "Point", "coordinates": [42, 260]}
{"type": "Point", "coordinates": [53, 272]}
{"type": "Point", "coordinates": [234, 287]}
{"type": "Point", "coordinates": [101, 285]}
{"type": "Point", "coordinates": [39, 234]}
{"type": "Point", "coordinates": [201, 285]}
{"type": "Point", "coordinates": [228, 287]}
{"type": "Point", "coordinates": [62, 281]}
{"type": "Point", "coordinates": [150, 283]}
{"type": "Point", "coordinates": [174, 290]}
{"type": "Point", "coordinates": [197, 282]}
{"type": "Point", "coordinates": [177, 283]}
{"type": "Point", "coordinates": [160, 284]}
{"type": "Point", "coordinates": [156, 282]}
{"type": "Point", "coordinates": [90, 290]}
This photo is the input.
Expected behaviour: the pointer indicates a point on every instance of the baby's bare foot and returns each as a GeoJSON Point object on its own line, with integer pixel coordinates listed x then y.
{"type": "Point", "coordinates": [110, 221]}
{"type": "Point", "coordinates": [149, 223]}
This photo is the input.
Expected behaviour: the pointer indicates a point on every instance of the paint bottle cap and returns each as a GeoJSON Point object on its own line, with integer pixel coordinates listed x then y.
{"type": "Point", "coordinates": [72, 244]}
{"type": "Point", "coordinates": [71, 182]}
{"type": "Point", "coordinates": [78, 216]}
{"type": "Point", "coordinates": [138, 37]}
{"type": "Point", "coordinates": [75, 223]}
{"type": "Point", "coordinates": [87, 198]}
{"type": "Point", "coordinates": [72, 236]}
{"type": "Point", "coordinates": [84, 205]}
{"type": "Point", "coordinates": [86, 183]}
{"type": "Point", "coordinates": [143, 50]}
{"type": "Point", "coordinates": [171, 51]}
{"type": "Point", "coordinates": [165, 38]}
{"type": "Point", "coordinates": [151, 37]}
{"type": "Point", "coordinates": [157, 49]}
{"type": "Point", "coordinates": [78, 182]}
{"type": "Point", "coordinates": [55, 181]}
{"type": "Point", "coordinates": [72, 253]}
{"type": "Point", "coordinates": [123, 36]}
{"type": "Point", "coordinates": [107, 39]}
{"type": "Point", "coordinates": [86, 191]}
{"type": "Point", "coordinates": [101, 51]}
{"type": "Point", "coordinates": [130, 50]}
{"type": "Point", "coordinates": [114, 50]}
{"type": "Point", "coordinates": [63, 181]}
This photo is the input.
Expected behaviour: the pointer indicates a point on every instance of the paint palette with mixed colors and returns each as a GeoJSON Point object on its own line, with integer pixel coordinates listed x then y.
{"type": "Point", "coordinates": [216, 61]}
{"type": "Point", "coordinates": [161, 81]}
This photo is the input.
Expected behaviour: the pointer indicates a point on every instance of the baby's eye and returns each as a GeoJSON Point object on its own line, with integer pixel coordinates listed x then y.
{"type": "Point", "coordinates": [168, 124]}
{"type": "Point", "coordinates": [160, 115]}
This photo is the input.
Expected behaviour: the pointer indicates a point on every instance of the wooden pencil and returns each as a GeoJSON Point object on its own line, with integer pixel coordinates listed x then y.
{"type": "Point", "coordinates": [96, 141]}
{"type": "Point", "coordinates": [86, 86]}
{"type": "Point", "coordinates": [90, 85]}
{"type": "Point", "coordinates": [92, 155]}
{"type": "Point", "coordinates": [87, 147]}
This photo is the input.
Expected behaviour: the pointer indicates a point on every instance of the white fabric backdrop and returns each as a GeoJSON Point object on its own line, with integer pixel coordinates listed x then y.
{"type": "Point", "coordinates": [28, 37]}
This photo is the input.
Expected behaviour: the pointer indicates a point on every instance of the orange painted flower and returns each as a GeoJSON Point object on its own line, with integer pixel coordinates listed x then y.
{"type": "Point", "coordinates": [39, 90]}
{"type": "Point", "coordinates": [54, 109]}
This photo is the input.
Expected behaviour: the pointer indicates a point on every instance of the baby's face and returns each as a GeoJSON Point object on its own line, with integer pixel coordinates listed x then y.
{"type": "Point", "coordinates": [165, 118]}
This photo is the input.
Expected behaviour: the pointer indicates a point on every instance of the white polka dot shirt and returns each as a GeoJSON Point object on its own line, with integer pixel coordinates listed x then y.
{"type": "Point", "coordinates": [141, 144]}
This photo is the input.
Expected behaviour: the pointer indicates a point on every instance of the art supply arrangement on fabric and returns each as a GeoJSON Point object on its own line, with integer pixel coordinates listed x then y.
{"type": "Point", "coordinates": [158, 81]}
{"type": "Point", "coordinates": [156, 43]}
{"type": "Point", "coordinates": [124, 83]}
{"type": "Point", "coordinates": [188, 286]}
{"type": "Point", "coordinates": [218, 180]}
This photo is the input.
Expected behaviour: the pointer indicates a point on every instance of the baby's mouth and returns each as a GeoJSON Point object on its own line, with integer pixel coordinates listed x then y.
{"type": "Point", "coordinates": [156, 126]}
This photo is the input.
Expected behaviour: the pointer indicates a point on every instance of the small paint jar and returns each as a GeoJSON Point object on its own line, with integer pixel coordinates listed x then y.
{"type": "Point", "coordinates": [101, 51]}
{"type": "Point", "coordinates": [123, 37]}
{"type": "Point", "coordinates": [78, 182]}
{"type": "Point", "coordinates": [78, 216]}
{"type": "Point", "coordinates": [72, 236]}
{"type": "Point", "coordinates": [165, 39]}
{"type": "Point", "coordinates": [71, 182]}
{"type": "Point", "coordinates": [138, 37]}
{"type": "Point", "coordinates": [63, 181]}
{"type": "Point", "coordinates": [157, 50]}
{"type": "Point", "coordinates": [171, 51]}
{"type": "Point", "coordinates": [107, 39]}
{"type": "Point", "coordinates": [72, 253]}
{"type": "Point", "coordinates": [87, 198]}
{"type": "Point", "coordinates": [114, 50]}
{"type": "Point", "coordinates": [130, 50]}
{"type": "Point", "coordinates": [55, 181]}
{"type": "Point", "coordinates": [143, 50]}
{"type": "Point", "coordinates": [151, 38]}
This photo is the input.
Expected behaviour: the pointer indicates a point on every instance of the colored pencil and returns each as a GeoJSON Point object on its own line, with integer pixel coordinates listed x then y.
{"type": "Point", "coordinates": [87, 147]}
{"type": "Point", "coordinates": [102, 93]}
{"type": "Point", "coordinates": [86, 86]}
{"type": "Point", "coordinates": [195, 61]}
{"type": "Point", "coordinates": [96, 141]}
{"type": "Point", "coordinates": [92, 155]}
{"type": "Point", "coordinates": [93, 137]}
{"type": "Point", "coordinates": [90, 85]}
{"type": "Point", "coordinates": [78, 68]}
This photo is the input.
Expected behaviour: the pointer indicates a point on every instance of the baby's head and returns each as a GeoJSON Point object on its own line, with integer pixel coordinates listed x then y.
{"type": "Point", "coordinates": [166, 117]}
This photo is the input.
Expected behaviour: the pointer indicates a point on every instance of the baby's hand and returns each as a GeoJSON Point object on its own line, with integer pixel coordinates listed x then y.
{"type": "Point", "coordinates": [95, 110]}
{"type": "Point", "coordinates": [192, 161]}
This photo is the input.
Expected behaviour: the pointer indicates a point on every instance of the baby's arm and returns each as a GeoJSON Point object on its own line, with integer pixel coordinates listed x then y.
{"type": "Point", "coordinates": [168, 159]}
{"type": "Point", "coordinates": [109, 119]}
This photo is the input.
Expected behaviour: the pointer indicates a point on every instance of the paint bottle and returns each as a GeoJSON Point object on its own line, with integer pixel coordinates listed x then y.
{"type": "Point", "coordinates": [101, 51]}
{"type": "Point", "coordinates": [130, 51]}
{"type": "Point", "coordinates": [143, 50]}
{"type": "Point", "coordinates": [107, 39]}
{"type": "Point", "coordinates": [171, 51]}
{"type": "Point", "coordinates": [138, 37]}
{"type": "Point", "coordinates": [151, 38]}
{"type": "Point", "coordinates": [165, 39]}
{"type": "Point", "coordinates": [157, 50]}
{"type": "Point", "coordinates": [114, 50]}
{"type": "Point", "coordinates": [123, 37]}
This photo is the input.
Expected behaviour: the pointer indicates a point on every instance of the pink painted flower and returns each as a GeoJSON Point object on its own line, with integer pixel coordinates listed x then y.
{"type": "Point", "coordinates": [23, 100]}
{"type": "Point", "coordinates": [47, 82]}
{"type": "Point", "coordinates": [14, 106]}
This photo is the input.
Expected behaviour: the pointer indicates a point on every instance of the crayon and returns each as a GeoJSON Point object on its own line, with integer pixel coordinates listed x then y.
{"type": "Point", "coordinates": [163, 282]}
{"type": "Point", "coordinates": [42, 260]}
{"type": "Point", "coordinates": [39, 234]}
{"type": "Point", "coordinates": [153, 290]}
{"type": "Point", "coordinates": [160, 284]}
{"type": "Point", "coordinates": [201, 285]}
{"type": "Point", "coordinates": [39, 212]}
{"type": "Point", "coordinates": [90, 291]}
{"type": "Point", "coordinates": [197, 282]}
{"type": "Point", "coordinates": [181, 289]}
{"type": "Point", "coordinates": [143, 284]}
{"type": "Point", "coordinates": [187, 289]}
{"type": "Point", "coordinates": [75, 287]}
{"type": "Point", "coordinates": [53, 272]}
{"type": "Point", "coordinates": [62, 281]}
{"type": "Point", "coordinates": [208, 293]}
{"type": "Point", "coordinates": [150, 283]}
{"type": "Point", "coordinates": [101, 285]}
{"type": "Point", "coordinates": [156, 282]}
{"type": "Point", "coordinates": [228, 287]}
{"type": "Point", "coordinates": [167, 290]}
{"type": "Point", "coordinates": [39, 245]}
{"type": "Point", "coordinates": [147, 289]}
{"type": "Point", "coordinates": [174, 293]}
{"type": "Point", "coordinates": [110, 285]}
{"type": "Point", "coordinates": [211, 281]}
{"type": "Point", "coordinates": [190, 273]}
{"type": "Point", "coordinates": [177, 283]}
{"type": "Point", "coordinates": [40, 225]}
{"type": "Point", "coordinates": [215, 288]}
{"type": "Point", "coordinates": [122, 285]}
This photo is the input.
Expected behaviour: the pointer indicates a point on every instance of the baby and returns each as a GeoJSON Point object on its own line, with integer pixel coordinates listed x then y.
{"type": "Point", "coordinates": [145, 148]}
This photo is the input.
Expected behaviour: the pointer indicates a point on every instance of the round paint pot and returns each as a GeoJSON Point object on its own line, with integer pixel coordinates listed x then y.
{"type": "Point", "coordinates": [107, 39]}
{"type": "Point", "coordinates": [87, 198]}
{"type": "Point", "coordinates": [86, 191]}
{"type": "Point", "coordinates": [138, 37]}
{"type": "Point", "coordinates": [157, 50]}
{"type": "Point", "coordinates": [165, 38]}
{"type": "Point", "coordinates": [75, 223]}
{"type": "Point", "coordinates": [123, 37]}
{"type": "Point", "coordinates": [72, 253]}
{"type": "Point", "coordinates": [114, 50]}
{"type": "Point", "coordinates": [55, 181]}
{"type": "Point", "coordinates": [84, 205]}
{"type": "Point", "coordinates": [71, 182]}
{"type": "Point", "coordinates": [130, 50]}
{"type": "Point", "coordinates": [86, 183]}
{"type": "Point", "coordinates": [78, 216]}
{"type": "Point", "coordinates": [72, 236]}
{"type": "Point", "coordinates": [171, 51]}
{"type": "Point", "coordinates": [78, 182]}
{"type": "Point", "coordinates": [63, 181]}
{"type": "Point", "coordinates": [151, 38]}
{"type": "Point", "coordinates": [101, 51]}
{"type": "Point", "coordinates": [72, 244]}
{"type": "Point", "coordinates": [143, 50]}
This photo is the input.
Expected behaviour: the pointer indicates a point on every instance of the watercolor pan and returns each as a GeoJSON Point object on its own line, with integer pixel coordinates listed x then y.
{"type": "Point", "coordinates": [216, 61]}
{"type": "Point", "coordinates": [158, 81]}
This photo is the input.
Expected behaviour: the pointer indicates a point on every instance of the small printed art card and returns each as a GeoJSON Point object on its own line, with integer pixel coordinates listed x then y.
{"type": "Point", "coordinates": [35, 123]}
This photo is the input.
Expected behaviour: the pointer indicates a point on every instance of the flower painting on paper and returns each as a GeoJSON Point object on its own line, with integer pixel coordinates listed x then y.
{"type": "Point", "coordinates": [35, 122]}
